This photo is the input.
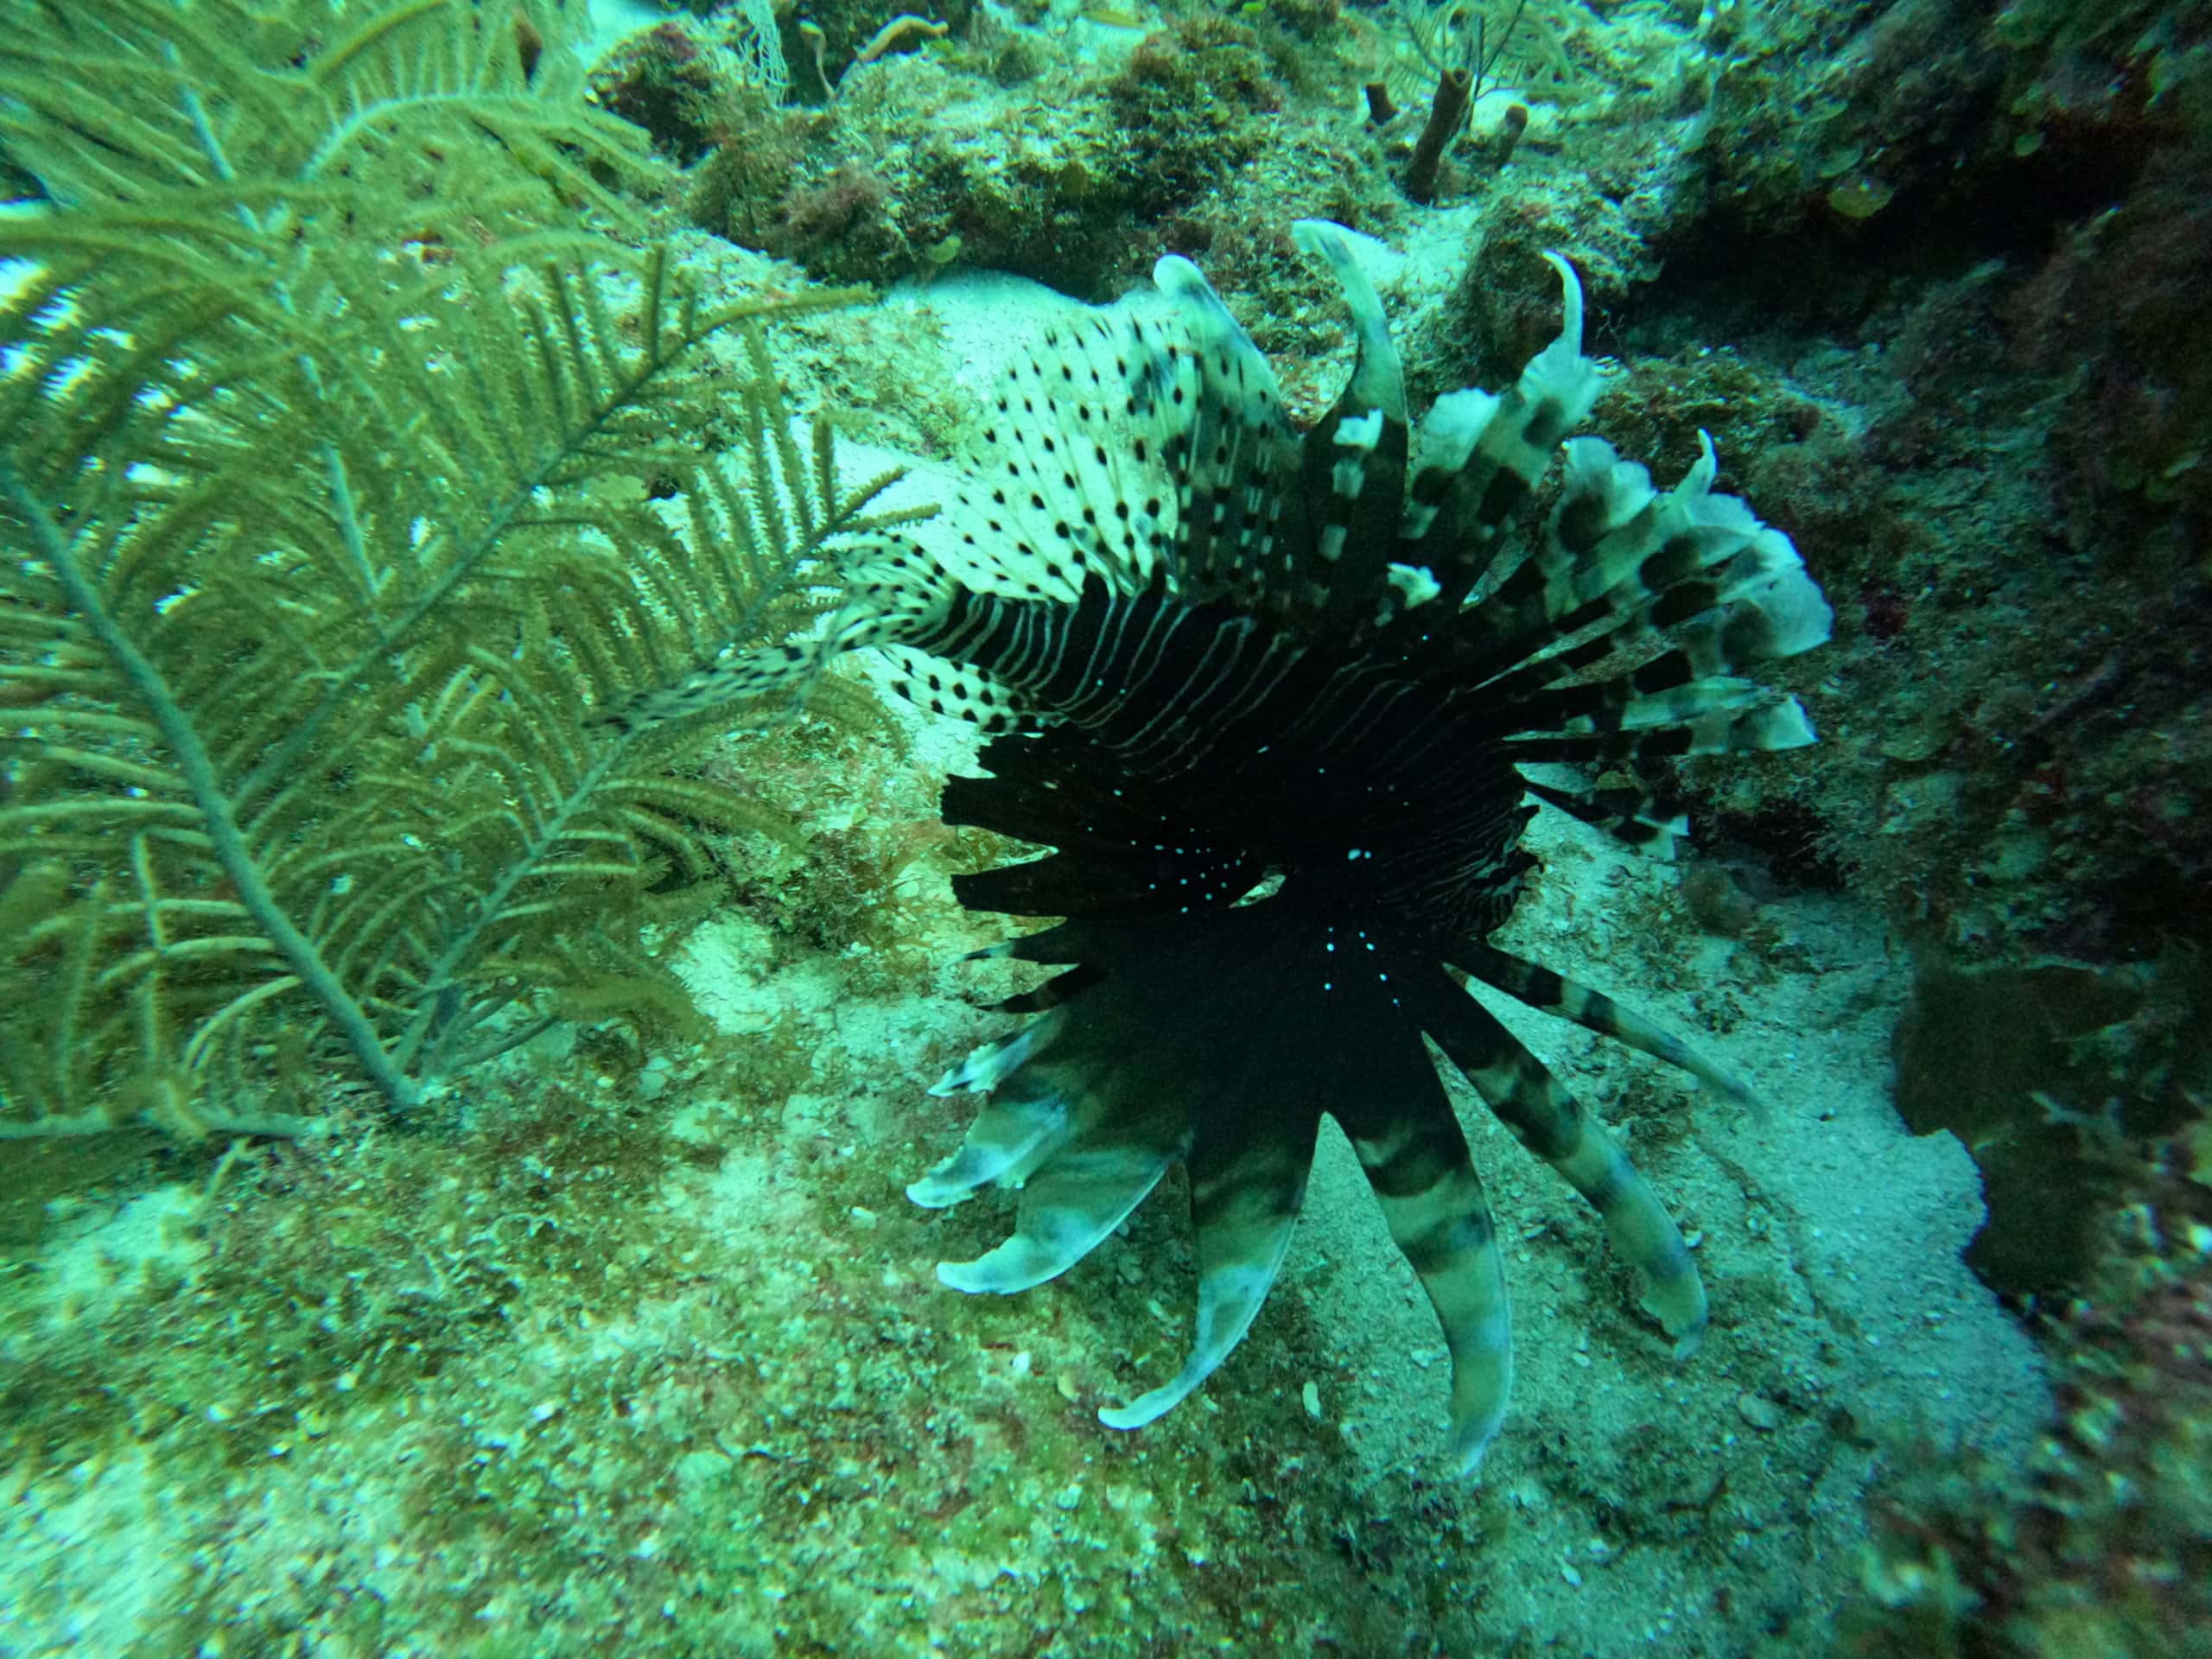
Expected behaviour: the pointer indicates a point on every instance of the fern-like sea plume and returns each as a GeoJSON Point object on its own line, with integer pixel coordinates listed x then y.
{"type": "Point", "coordinates": [342, 479]}
{"type": "Point", "coordinates": [1268, 698]}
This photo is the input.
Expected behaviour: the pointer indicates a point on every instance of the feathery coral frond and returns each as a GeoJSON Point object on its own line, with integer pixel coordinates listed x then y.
{"type": "Point", "coordinates": [334, 521]}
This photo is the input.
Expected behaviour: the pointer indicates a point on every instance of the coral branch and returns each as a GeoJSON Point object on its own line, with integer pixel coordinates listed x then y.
{"type": "Point", "coordinates": [1445, 111]}
{"type": "Point", "coordinates": [197, 770]}
{"type": "Point", "coordinates": [902, 33]}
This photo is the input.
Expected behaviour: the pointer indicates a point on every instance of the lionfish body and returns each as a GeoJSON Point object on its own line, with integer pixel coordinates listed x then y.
{"type": "Point", "coordinates": [1267, 696]}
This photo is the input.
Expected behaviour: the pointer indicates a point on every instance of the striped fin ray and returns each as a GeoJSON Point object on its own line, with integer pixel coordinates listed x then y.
{"type": "Point", "coordinates": [992, 1064]}
{"type": "Point", "coordinates": [1466, 878]}
{"type": "Point", "coordinates": [895, 589]}
{"type": "Point", "coordinates": [1682, 589]}
{"type": "Point", "coordinates": [1234, 457]}
{"type": "Point", "coordinates": [1650, 824]}
{"type": "Point", "coordinates": [1080, 660]}
{"type": "Point", "coordinates": [1476, 456]}
{"type": "Point", "coordinates": [1547, 1120]}
{"type": "Point", "coordinates": [1017, 1128]}
{"type": "Point", "coordinates": [1052, 994]}
{"type": "Point", "coordinates": [1725, 590]}
{"type": "Point", "coordinates": [1222, 1038]}
{"type": "Point", "coordinates": [1726, 727]}
{"type": "Point", "coordinates": [1424, 1179]}
{"type": "Point", "coordinates": [1080, 1191]}
{"type": "Point", "coordinates": [1354, 461]}
{"type": "Point", "coordinates": [1163, 1060]}
{"type": "Point", "coordinates": [969, 695]}
{"type": "Point", "coordinates": [1244, 1205]}
{"type": "Point", "coordinates": [1564, 695]}
{"type": "Point", "coordinates": [1707, 708]}
{"type": "Point", "coordinates": [1552, 993]}
{"type": "Point", "coordinates": [1155, 681]}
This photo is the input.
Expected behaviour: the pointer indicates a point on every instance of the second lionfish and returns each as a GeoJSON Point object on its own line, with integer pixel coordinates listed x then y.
{"type": "Point", "coordinates": [1267, 696]}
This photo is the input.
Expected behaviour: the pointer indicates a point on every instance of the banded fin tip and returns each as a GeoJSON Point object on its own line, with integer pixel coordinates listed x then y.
{"type": "Point", "coordinates": [1070, 1204]}
{"type": "Point", "coordinates": [1378, 380]}
{"type": "Point", "coordinates": [1243, 1233]}
{"type": "Point", "coordinates": [1570, 330]}
{"type": "Point", "coordinates": [1679, 1307]}
{"type": "Point", "coordinates": [1011, 1136]}
{"type": "Point", "coordinates": [994, 1062]}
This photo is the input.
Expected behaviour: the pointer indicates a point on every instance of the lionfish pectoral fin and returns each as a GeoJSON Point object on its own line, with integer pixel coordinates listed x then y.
{"type": "Point", "coordinates": [894, 587]}
{"type": "Point", "coordinates": [1639, 819]}
{"type": "Point", "coordinates": [1076, 1197]}
{"type": "Point", "coordinates": [1016, 1128]}
{"type": "Point", "coordinates": [1244, 1205]}
{"type": "Point", "coordinates": [1116, 1132]}
{"type": "Point", "coordinates": [1552, 993]}
{"type": "Point", "coordinates": [1433, 1201]}
{"type": "Point", "coordinates": [994, 1062]}
{"type": "Point", "coordinates": [1546, 1119]}
{"type": "Point", "coordinates": [1054, 992]}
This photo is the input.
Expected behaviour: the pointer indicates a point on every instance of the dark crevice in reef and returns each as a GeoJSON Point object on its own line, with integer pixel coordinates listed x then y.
{"type": "Point", "coordinates": [1727, 276]}
{"type": "Point", "coordinates": [1789, 841]}
{"type": "Point", "coordinates": [1828, 275]}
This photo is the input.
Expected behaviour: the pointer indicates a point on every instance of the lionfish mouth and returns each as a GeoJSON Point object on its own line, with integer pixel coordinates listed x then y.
{"type": "Point", "coordinates": [1267, 696]}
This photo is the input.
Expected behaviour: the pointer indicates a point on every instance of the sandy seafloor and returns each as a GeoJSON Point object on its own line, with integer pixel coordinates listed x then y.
{"type": "Point", "coordinates": [728, 1410]}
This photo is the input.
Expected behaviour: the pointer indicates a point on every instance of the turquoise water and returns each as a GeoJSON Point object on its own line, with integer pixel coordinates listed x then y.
{"type": "Point", "coordinates": [1051, 830]}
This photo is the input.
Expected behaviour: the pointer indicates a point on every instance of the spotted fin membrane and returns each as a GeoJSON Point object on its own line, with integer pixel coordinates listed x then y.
{"type": "Point", "coordinates": [1266, 696]}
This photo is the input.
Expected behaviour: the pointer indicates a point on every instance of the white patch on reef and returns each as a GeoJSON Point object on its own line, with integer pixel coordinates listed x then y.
{"type": "Point", "coordinates": [99, 1266]}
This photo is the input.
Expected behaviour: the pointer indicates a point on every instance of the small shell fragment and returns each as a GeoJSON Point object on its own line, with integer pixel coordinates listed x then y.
{"type": "Point", "coordinates": [1758, 1411]}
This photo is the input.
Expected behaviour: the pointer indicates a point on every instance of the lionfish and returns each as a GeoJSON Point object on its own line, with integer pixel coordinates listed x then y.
{"type": "Point", "coordinates": [1268, 698]}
